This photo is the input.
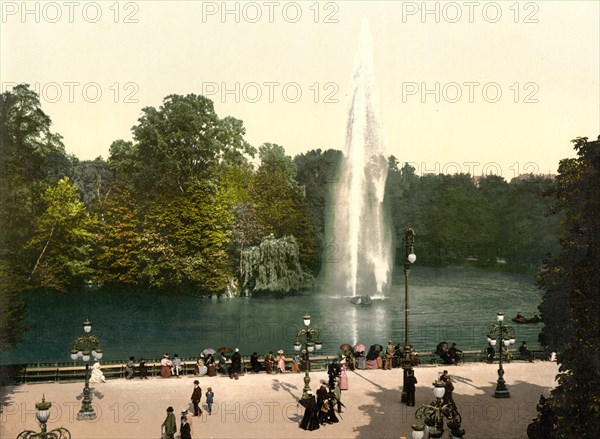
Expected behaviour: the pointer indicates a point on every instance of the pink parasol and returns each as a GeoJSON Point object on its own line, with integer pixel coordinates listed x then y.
{"type": "Point", "coordinates": [359, 348]}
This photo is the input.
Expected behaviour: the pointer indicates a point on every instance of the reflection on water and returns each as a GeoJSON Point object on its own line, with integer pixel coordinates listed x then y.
{"type": "Point", "coordinates": [452, 304]}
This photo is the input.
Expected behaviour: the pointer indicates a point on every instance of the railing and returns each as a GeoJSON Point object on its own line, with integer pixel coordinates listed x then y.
{"type": "Point", "coordinates": [67, 371]}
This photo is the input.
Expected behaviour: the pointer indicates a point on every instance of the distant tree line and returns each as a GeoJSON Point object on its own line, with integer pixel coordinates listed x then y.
{"type": "Point", "coordinates": [183, 207]}
{"type": "Point", "coordinates": [461, 220]}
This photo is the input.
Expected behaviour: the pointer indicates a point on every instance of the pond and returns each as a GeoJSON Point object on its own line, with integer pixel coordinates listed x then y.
{"type": "Point", "coordinates": [455, 304]}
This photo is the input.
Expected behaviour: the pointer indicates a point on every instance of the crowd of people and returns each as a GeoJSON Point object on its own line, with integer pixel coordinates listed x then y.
{"type": "Point", "coordinates": [211, 363]}
{"type": "Point", "coordinates": [320, 408]}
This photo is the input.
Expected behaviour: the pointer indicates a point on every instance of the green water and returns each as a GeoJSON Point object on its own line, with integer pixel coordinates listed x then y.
{"type": "Point", "coordinates": [451, 304]}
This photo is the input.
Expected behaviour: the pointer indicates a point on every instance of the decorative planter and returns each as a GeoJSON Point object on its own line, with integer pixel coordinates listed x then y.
{"type": "Point", "coordinates": [457, 433]}
{"type": "Point", "coordinates": [435, 433]}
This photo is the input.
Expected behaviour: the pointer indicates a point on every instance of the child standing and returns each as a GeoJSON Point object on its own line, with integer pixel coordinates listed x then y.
{"type": "Point", "coordinates": [280, 360]}
{"type": "Point", "coordinates": [209, 399]}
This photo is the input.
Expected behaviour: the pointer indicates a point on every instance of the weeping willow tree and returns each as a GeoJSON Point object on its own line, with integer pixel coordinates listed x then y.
{"type": "Point", "coordinates": [274, 266]}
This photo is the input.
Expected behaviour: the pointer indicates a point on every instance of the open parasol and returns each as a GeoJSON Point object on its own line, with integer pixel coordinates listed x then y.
{"type": "Point", "coordinates": [359, 348]}
{"type": "Point", "coordinates": [345, 347]}
{"type": "Point", "coordinates": [210, 351]}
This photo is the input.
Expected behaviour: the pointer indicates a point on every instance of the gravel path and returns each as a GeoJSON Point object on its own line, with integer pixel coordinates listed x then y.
{"type": "Point", "coordinates": [259, 406]}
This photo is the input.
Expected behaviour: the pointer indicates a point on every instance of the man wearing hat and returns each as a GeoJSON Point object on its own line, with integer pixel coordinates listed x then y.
{"type": "Point", "coordinates": [236, 364]}
{"type": "Point", "coordinates": [169, 424]}
{"type": "Point", "coordinates": [196, 397]}
{"type": "Point", "coordinates": [389, 355]}
{"type": "Point", "coordinates": [186, 426]}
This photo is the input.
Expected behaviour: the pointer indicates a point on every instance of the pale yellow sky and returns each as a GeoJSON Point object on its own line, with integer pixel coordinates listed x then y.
{"type": "Point", "coordinates": [514, 81]}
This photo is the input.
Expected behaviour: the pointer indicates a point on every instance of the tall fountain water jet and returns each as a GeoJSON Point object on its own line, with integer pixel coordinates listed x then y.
{"type": "Point", "coordinates": [359, 228]}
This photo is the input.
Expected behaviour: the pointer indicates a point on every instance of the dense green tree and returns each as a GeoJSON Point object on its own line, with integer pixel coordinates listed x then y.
{"type": "Point", "coordinates": [318, 173]}
{"type": "Point", "coordinates": [184, 241]}
{"type": "Point", "coordinates": [119, 239]}
{"type": "Point", "coordinates": [247, 230]}
{"type": "Point", "coordinates": [528, 234]}
{"type": "Point", "coordinates": [178, 144]}
{"type": "Point", "coordinates": [571, 303]}
{"type": "Point", "coordinates": [31, 158]}
{"type": "Point", "coordinates": [280, 202]}
{"type": "Point", "coordinates": [274, 266]}
{"type": "Point", "coordinates": [92, 178]}
{"type": "Point", "coordinates": [63, 239]}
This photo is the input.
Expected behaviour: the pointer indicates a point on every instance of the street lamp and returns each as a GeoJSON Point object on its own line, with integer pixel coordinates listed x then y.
{"type": "Point", "coordinates": [505, 336]}
{"type": "Point", "coordinates": [42, 413]}
{"type": "Point", "coordinates": [434, 414]}
{"type": "Point", "coordinates": [83, 347]}
{"type": "Point", "coordinates": [310, 346]}
{"type": "Point", "coordinates": [409, 259]}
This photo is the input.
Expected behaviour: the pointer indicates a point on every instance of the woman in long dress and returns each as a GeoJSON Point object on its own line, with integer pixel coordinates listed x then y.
{"type": "Point", "coordinates": [280, 361]}
{"type": "Point", "coordinates": [343, 378]}
{"type": "Point", "coordinates": [165, 366]}
{"type": "Point", "coordinates": [210, 366]}
{"type": "Point", "coordinates": [268, 362]}
{"type": "Point", "coordinates": [310, 420]}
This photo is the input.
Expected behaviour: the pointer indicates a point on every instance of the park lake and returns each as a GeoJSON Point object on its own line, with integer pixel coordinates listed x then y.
{"type": "Point", "coordinates": [455, 304]}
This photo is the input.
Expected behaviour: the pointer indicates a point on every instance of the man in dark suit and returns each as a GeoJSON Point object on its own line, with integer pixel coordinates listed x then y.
{"type": "Point", "coordinates": [410, 387]}
{"type": "Point", "coordinates": [196, 397]}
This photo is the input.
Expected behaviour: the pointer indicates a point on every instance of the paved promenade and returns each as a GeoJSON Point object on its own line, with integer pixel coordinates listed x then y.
{"type": "Point", "coordinates": [260, 406]}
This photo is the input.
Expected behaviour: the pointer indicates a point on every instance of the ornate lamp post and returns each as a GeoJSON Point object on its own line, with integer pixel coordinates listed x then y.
{"type": "Point", "coordinates": [42, 413]}
{"type": "Point", "coordinates": [409, 259]}
{"type": "Point", "coordinates": [434, 414]}
{"type": "Point", "coordinates": [308, 333]}
{"type": "Point", "coordinates": [83, 346]}
{"type": "Point", "coordinates": [506, 337]}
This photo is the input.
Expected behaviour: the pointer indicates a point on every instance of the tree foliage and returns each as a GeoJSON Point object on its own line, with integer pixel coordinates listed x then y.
{"type": "Point", "coordinates": [482, 221]}
{"type": "Point", "coordinates": [274, 266]}
{"type": "Point", "coordinates": [63, 239]}
{"type": "Point", "coordinates": [178, 144]}
{"type": "Point", "coordinates": [31, 158]}
{"type": "Point", "coordinates": [571, 302]}
{"type": "Point", "coordinates": [280, 202]}
{"type": "Point", "coordinates": [13, 310]}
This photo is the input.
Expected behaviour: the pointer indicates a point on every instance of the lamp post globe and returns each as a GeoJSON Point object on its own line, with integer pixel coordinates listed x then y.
{"type": "Point", "coordinates": [308, 340]}
{"type": "Point", "coordinates": [503, 336]}
{"type": "Point", "coordinates": [42, 414]}
{"type": "Point", "coordinates": [86, 347]}
{"type": "Point", "coordinates": [409, 259]}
